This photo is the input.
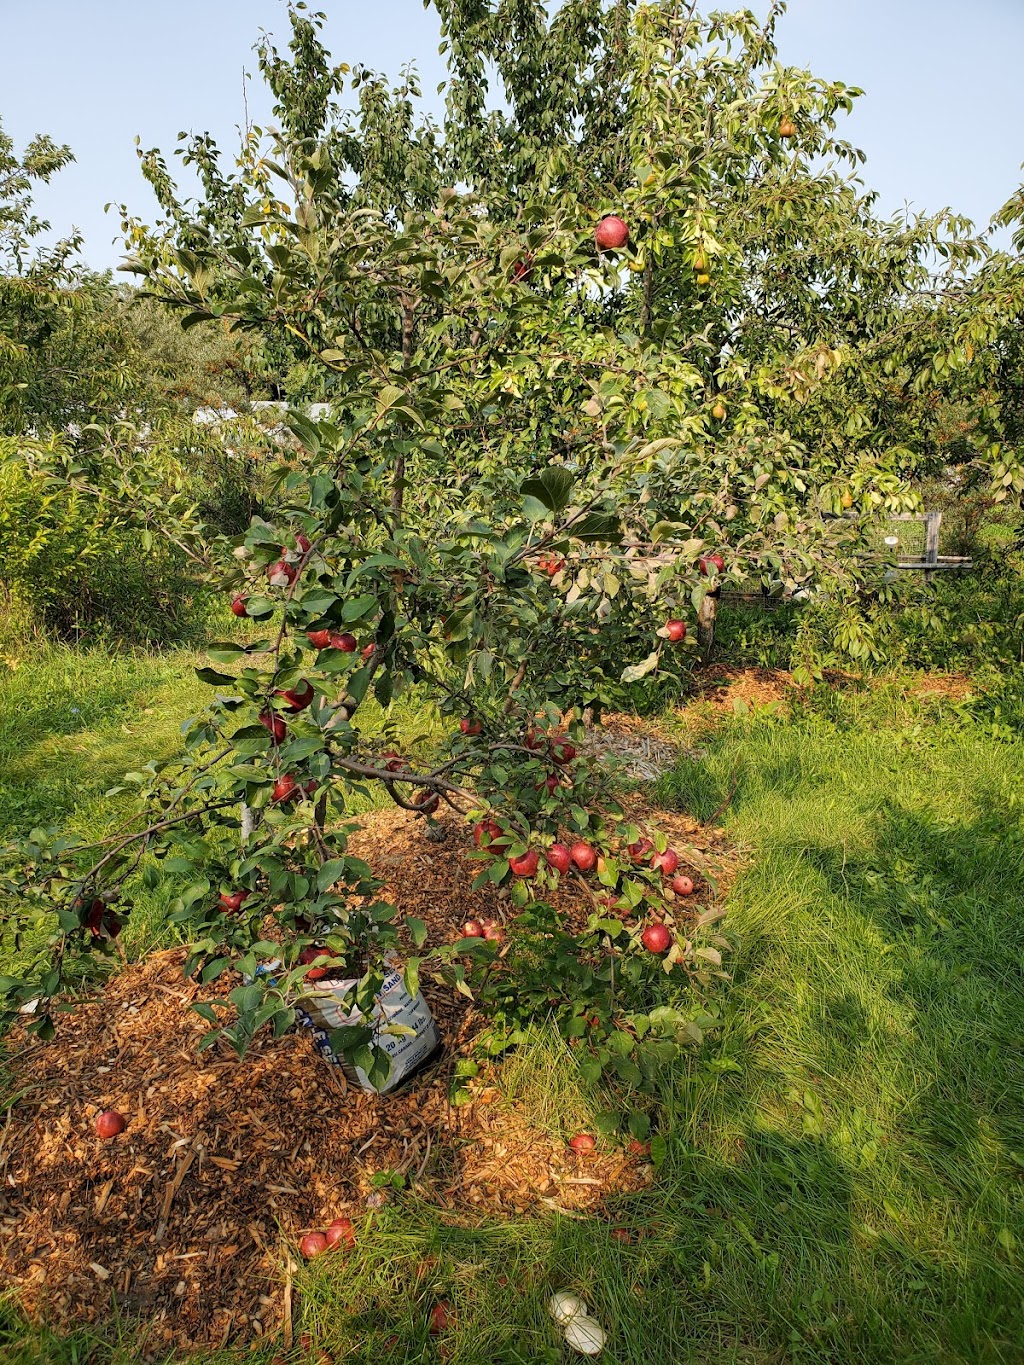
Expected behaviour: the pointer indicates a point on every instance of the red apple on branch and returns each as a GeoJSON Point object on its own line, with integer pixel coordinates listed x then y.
{"type": "Point", "coordinates": [297, 697]}
{"type": "Point", "coordinates": [559, 858]}
{"type": "Point", "coordinates": [675, 630]}
{"type": "Point", "coordinates": [611, 233]}
{"type": "Point", "coordinates": [284, 788]}
{"type": "Point", "coordinates": [712, 561]}
{"type": "Point", "coordinates": [281, 574]}
{"type": "Point", "coordinates": [470, 727]}
{"type": "Point", "coordinates": [320, 639]}
{"type": "Point", "coordinates": [275, 724]}
{"type": "Point", "coordinates": [562, 751]}
{"type": "Point", "coordinates": [665, 863]}
{"type": "Point", "coordinates": [656, 938]}
{"type": "Point", "coordinates": [427, 801]}
{"type": "Point", "coordinates": [344, 641]}
{"type": "Point", "coordinates": [526, 864]}
{"type": "Point", "coordinates": [240, 605]}
{"type": "Point", "coordinates": [583, 856]}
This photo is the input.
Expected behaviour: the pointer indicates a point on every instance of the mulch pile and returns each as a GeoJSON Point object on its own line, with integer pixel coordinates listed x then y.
{"type": "Point", "coordinates": [186, 1219]}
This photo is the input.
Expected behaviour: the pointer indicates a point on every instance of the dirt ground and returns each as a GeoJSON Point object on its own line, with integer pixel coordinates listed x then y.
{"type": "Point", "coordinates": [187, 1218]}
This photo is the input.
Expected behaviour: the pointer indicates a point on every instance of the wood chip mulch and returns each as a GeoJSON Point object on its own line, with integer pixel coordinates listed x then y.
{"type": "Point", "coordinates": [187, 1218]}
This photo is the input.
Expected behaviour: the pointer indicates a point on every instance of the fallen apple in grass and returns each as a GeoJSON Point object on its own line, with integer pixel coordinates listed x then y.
{"type": "Point", "coordinates": [611, 233]}
{"type": "Point", "coordinates": [493, 933]}
{"type": "Point", "coordinates": [526, 864]}
{"type": "Point", "coordinates": [682, 885]}
{"type": "Point", "coordinates": [313, 1244]}
{"type": "Point", "coordinates": [656, 938]}
{"type": "Point", "coordinates": [472, 929]}
{"type": "Point", "coordinates": [559, 857]}
{"type": "Point", "coordinates": [440, 1318]}
{"type": "Point", "coordinates": [341, 1232]}
{"type": "Point", "coordinates": [583, 856]}
{"type": "Point", "coordinates": [675, 630]}
{"type": "Point", "coordinates": [583, 1142]}
{"type": "Point", "coordinates": [109, 1124]}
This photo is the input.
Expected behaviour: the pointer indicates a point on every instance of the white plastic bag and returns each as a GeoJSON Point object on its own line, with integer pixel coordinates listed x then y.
{"type": "Point", "coordinates": [416, 1039]}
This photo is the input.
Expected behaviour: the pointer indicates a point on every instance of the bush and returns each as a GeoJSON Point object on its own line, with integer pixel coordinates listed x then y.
{"type": "Point", "coordinates": [74, 563]}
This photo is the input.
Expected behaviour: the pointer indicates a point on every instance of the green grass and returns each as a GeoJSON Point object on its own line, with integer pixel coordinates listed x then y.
{"type": "Point", "coordinates": [845, 1179]}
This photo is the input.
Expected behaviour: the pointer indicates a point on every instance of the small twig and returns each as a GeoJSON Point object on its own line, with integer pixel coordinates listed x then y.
{"type": "Point", "coordinates": [728, 800]}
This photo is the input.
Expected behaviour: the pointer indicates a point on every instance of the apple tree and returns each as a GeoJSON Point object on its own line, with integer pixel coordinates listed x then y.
{"type": "Point", "coordinates": [554, 344]}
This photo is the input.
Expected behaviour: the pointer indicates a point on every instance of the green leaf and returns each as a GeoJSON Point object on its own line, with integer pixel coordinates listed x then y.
{"type": "Point", "coordinates": [553, 488]}
{"type": "Point", "coordinates": [332, 871]}
{"type": "Point", "coordinates": [417, 931]}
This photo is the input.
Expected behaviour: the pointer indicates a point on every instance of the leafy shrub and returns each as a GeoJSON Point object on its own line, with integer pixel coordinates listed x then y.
{"type": "Point", "coordinates": [73, 559]}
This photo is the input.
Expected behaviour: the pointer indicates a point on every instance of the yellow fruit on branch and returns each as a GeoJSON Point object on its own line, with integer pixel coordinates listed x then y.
{"type": "Point", "coordinates": [787, 128]}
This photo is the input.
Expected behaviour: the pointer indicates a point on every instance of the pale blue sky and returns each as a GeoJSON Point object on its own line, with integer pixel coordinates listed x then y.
{"type": "Point", "coordinates": [942, 120]}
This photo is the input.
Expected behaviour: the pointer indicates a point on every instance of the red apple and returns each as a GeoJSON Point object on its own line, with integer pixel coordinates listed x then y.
{"type": "Point", "coordinates": [470, 727]}
{"type": "Point", "coordinates": [493, 933]}
{"type": "Point", "coordinates": [341, 1232]}
{"type": "Point", "coordinates": [320, 639]}
{"type": "Point", "coordinates": [523, 270]}
{"type": "Point", "coordinates": [637, 1148]}
{"type": "Point", "coordinates": [665, 863]}
{"type": "Point", "coordinates": [583, 856]}
{"type": "Point", "coordinates": [345, 642]}
{"type": "Point", "coordinates": [532, 740]}
{"type": "Point", "coordinates": [395, 763]}
{"type": "Point", "coordinates": [526, 864]}
{"type": "Point", "coordinates": [675, 630]}
{"type": "Point", "coordinates": [561, 750]}
{"type": "Point", "coordinates": [281, 574]}
{"type": "Point", "coordinates": [313, 1244]}
{"type": "Point", "coordinates": [310, 954]}
{"type": "Point", "coordinates": [368, 651]}
{"type": "Point", "coordinates": [550, 782]}
{"type": "Point", "coordinates": [489, 828]}
{"type": "Point", "coordinates": [240, 605]}
{"type": "Point", "coordinates": [109, 1124]}
{"type": "Point", "coordinates": [284, 788]}
{"type": "Point", "coordinates": [583, 1142]}
{"type": "Point", "coordinates": [472, 929]}
{"type": "Point", "coordinates": [682, 885]}
{"type": "Point", "coordinates": [302, 541]}
{"type": "Point", "coordinates": [656, 938]}
{"type": "Point", "coordinates": [440, 1318]}
{"type": "Point", "coordinates": [639, 851]}
{"type": "Point", "coordinates": [275, 724]}
{"type": "Point", "coordinates": [233, 900]}
{"type": "Point", "coordinates": [707, 562]}
{"type": "Point", "coordinates": [559, 858]}
{"type": "Point", "coordinates": [611, 233]}
{"type": "Point", "coordinates": [427, 801]}
{"type": "Point", "coordinates": [297, 697]}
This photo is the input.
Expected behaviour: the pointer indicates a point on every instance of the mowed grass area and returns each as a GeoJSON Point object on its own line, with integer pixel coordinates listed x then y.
{"type": "Point", "coordinates": [845, 1180]}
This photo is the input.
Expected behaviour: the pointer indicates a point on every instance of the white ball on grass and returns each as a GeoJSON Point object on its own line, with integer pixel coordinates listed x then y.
{"type": "Point", "coordinates": [585, 1335]}
{"type": "Point", "coordinates": [564, 1306]}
